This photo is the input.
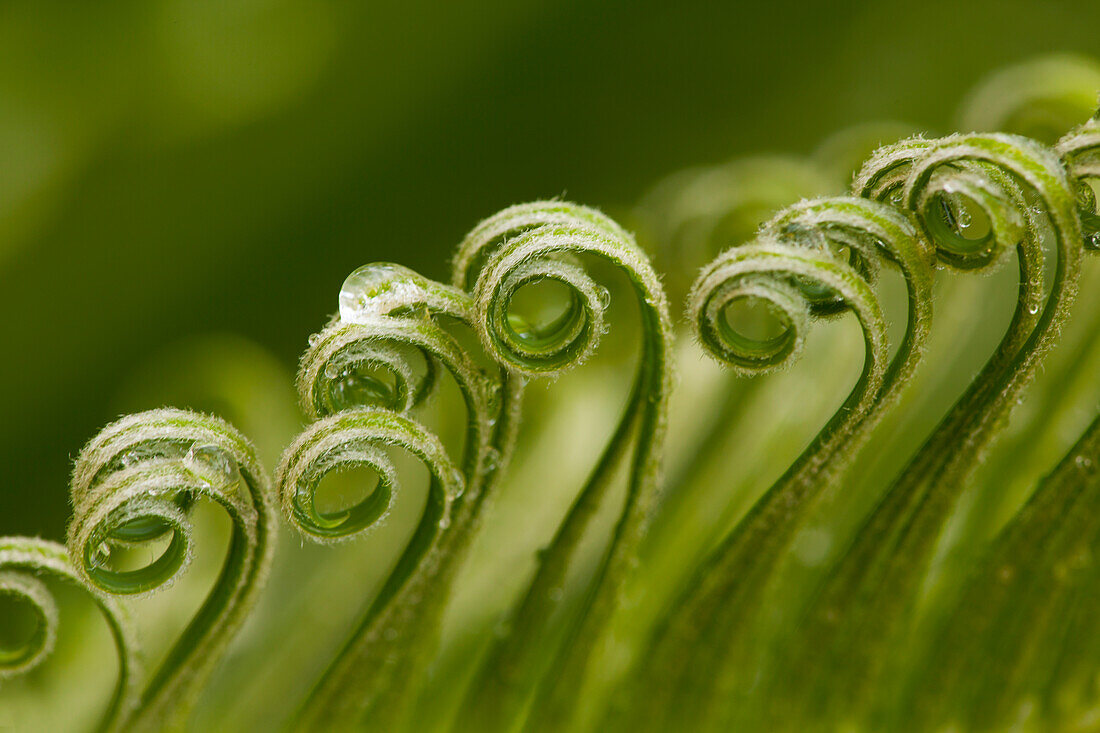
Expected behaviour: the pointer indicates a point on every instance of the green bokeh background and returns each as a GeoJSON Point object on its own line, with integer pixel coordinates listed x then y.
{"type": "Point", "coordinates": [171, 168]}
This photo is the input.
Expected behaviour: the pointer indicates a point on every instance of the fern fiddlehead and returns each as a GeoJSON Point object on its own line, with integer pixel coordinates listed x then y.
{"type": "Point", "coordinates": [132, 485]}
{"type": "Point", "coordinates": [527, 244]}
{"type": "Point", "coordinates": [1017, 630]}
{"type": "Point", "coordinates": [686, 220]}
{"type": "Point", "coordinates": [884, 636]}
{"type": "Point", "coordinates": [24, 564]}
{"type": "Point", "coordinates": [29, 591]}
{"type": "Point", "coordinates": [811, 259]}
{"type": "Point", "coordinates": [1080, 150]}
{"type": "Point", "coordinates": [1020, 188]}
{"type": "Point", "coordinates": [360, 376]}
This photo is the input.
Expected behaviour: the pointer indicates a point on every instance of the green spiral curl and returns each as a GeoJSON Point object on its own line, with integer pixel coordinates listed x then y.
{"type": "Point", "coordinates": [390, 364]}
{"type": "Point", "coordinates": [1015, 642]}
{"type": "Point", "coordinates": [398, 325]}
{"type": "Point", "coordinates": [362, 374]}
{"type": "Point", "coordinates": [1080, 150]}
{"type": "Point", "coordinates": [133, 484]}
{"type": "Point", "coordinates": [517, 247]}
{"type": "Point", "coordinates": [374, 659]}
{"type": "Point", "coordinates": [25, 563]}
{"type": "Point", "coordinates": [1023, 191]}
{"type": "Point", "coordinates": [814, 259]}
{"type": "Point", "coordinates": [31, 592]}
{"type": "Point", "coordinates": [686, 220]}
{"type": "Point", "coordinates": [537, 242]}
{"type": "Point", "coordinates": [1060, 90]}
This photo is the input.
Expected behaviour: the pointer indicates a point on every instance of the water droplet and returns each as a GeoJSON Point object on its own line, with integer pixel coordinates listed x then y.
{"type": "Point", "coordinates": [1033, 308]}
{"type": "Point", "coordinates": [213, 464]}
{"type": "Point", "coordinates": [956, 213]}
{"type": "Point", "coordinates": [896, 197]}
{"type": "Point", "coordinates": [963, 218]}
{"type": "Point", "coordinates": [377, 289]}
{"type": "Point", "coordinates": [458, 479]}
{"type": "Point", "coordinates": [492, 458]}
{"type": "Point", "coordinates": [332, 370]}
{"type": "Point", "coordinates": [1093, 240]}
{"type": "Point", "coordinates": [555, 594]}
{"type": "Point", "coordinates": [390, 634]}
{"type": "Point", "coordinates": [492, 395]}
{"type": "Point", "coordinates": [129, 458]}
{"type": "Point", "coordinates": [445, 521]}
{"type": "Point", "coordinates": [102, 555]}
{"type": "Point", "coordinates": [314, 338]}
{"type": "Point", "coordinates": [604, 295]}
{"type": "Point", "coordinates": [302, 494]}
{"type": "Point", "coordinates": [1083, 463]}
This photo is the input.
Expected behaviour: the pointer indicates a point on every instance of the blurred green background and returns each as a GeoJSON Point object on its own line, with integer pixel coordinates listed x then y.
{"type": "Point", "coordinates": [170, 168]}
